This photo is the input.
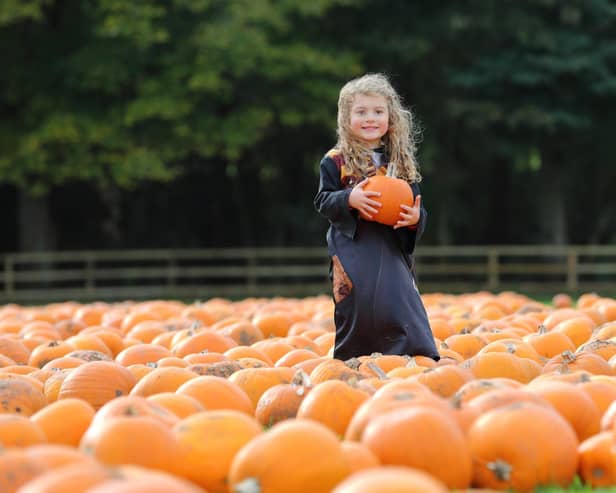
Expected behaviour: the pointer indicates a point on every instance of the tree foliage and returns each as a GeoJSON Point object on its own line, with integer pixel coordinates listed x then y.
{"type": "Point", "coordinates": [118, 92]}
{"type": "Point", "coordinates": [225, 107]}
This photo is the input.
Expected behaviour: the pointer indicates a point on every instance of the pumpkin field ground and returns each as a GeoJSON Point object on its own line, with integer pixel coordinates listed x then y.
{"type": "Point", "coordinates": [576, 487]}
{"type": "Point", "coordinates": [237, 396]}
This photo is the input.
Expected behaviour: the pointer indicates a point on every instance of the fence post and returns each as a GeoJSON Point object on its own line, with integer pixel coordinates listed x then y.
{"type": "Point", "coordinates": [9, 277]}
{"type": "Point", "coordinates": [572, 270]}
{"type": "Point", "coordinates": [493, 275]}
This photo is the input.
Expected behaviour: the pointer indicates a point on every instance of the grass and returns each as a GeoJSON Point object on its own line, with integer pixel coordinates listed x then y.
{"type": "Point", "coordinates": [576, 487]}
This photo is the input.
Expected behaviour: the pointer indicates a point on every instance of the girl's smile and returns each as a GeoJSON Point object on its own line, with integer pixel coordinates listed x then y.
{"type": "Point", "coordinates": [369, 118]}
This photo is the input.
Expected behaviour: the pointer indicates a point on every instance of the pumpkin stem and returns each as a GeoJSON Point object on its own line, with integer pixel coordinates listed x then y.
{"type": "Point", "coordinates": [301, 378]}
{"type": "Point", "coordinates": [456, 400]}
{"type": "Point", "coordinates": [501, 469]}
{"type": "Point", "coordinates": [352, 363]}
{"type": "Point", "coordinates": [249, 485]}
{"type": "Point", "coordinates": [542, 329]}
{"type": "Point", "coordinates": [568, 356]}
{"type": "Point", "coordinates": [377, 370]}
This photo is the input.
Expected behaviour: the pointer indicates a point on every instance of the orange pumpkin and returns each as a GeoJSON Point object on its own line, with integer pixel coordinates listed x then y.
{"type": "Point", "coordinates": [133, 406]}
{"type": "Point", "coordinates": [150, 481]}
{"type": "Point", "coordinates": [522, 446]}
{"type": "Point", "coordinates": [97, 382]}
{"type": "Point", "coordinates": [309, 454]}
{"type": "Point", "coordinates": [20, 394]}
{"type": "Point", "coordinates": [17, 469]}
{"type": "Point", "coordinates": [422, 438]}
{"type": "Point", "coordinates": [333, 404]}
{"type": "Point", "coordinates": [76, 477]}
{"type": "Point", "coordinates": [358, 456]}
{"type": "Point", "coordinates": [394, 192]}
{"type": "Point", "coordinates": [573, 404]}
{"type": "Point", "coordinates": [208, 442]}
{"type": "Point", "coordinates": [598, 460]}
{"type": "Point", "coordinates": [217, 393]}
{"type": "Point", "coordinates": [143, 353]}
{"type": "Point", "coordinates": [44, 353]}
{"type": "Point", "coordinates": [391, 479]}
{"type": "Point", "coordinates": [167, 379]}
{"type": "Point", "coordinates": [19, 431]}
{"type": "Point", "coordinates": [179, 404]}
{"type": "Point", "coordinates": [280, 402]}
{"type": "Point", "coordinates": [52, 419]}
{"type": "Point", "coordinates": [142, 440]}
{"type": "Point", "coordinates": [255, 381]}
{"type": "Point", "coordinates": [54, 456]}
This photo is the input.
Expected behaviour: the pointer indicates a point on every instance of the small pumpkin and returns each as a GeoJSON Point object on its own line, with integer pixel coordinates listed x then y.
{"type": "Point", "coordinates": [280, 402]}
{"type": "Point", "coordinates": [394, 192]}
{"type": "Point", "coordinates": [97, 382]}
{"type": "Point", "coordinates": [598, 460]}
{"type": "Point", "coordinates": [52, 420]}
{"type": "Point", "coordinates": [332, 403]}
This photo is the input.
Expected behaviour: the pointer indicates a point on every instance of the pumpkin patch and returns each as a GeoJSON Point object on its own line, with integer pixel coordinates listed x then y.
{"type": "Point", "coordinates": [243, 396]}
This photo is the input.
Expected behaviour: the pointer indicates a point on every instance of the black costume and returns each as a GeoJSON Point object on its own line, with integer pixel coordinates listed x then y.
{"type": "Point", "coordinates": [377, 305]}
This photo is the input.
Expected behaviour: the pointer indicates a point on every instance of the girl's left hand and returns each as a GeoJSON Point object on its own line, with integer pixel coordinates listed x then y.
{"type": "Point", "coordinates": [409, 215]}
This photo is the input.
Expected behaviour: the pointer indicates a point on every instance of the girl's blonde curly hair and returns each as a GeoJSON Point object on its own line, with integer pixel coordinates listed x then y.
{"type": "Point", "coordinates": [400, 139]}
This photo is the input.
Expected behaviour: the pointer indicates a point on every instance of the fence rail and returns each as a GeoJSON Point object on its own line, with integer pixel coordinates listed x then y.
{"type": "Point", "coordinates": [293, 271]}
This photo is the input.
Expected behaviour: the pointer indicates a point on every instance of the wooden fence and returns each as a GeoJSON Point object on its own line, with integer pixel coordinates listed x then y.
{"type": "Point", "coordinates": [240, 272]}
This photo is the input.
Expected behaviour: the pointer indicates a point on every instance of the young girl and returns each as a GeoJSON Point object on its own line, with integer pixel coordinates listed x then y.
{"type": "Point", "coordinates": [377, 305]}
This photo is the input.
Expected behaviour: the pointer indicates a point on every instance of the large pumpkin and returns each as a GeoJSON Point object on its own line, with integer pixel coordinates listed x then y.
{"type": "Point", "coordinates": [522, 446]}
{"type": "Point", "coordinates": [394, 192]}
{"type": "Point", "coordinates": [295, 455]}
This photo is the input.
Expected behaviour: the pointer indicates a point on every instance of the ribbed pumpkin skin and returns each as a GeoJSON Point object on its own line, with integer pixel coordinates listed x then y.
{"type": "Point", "coordinates": [97, 382]}
{"type": "Point", "coordinates": [394, 192]}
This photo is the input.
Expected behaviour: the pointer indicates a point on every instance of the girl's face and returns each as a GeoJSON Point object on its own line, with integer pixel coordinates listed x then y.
{"type": "Point", "coordinates": [369, 118]}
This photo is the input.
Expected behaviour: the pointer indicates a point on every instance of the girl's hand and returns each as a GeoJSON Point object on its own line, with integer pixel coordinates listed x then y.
{"type": "Point", "coordinates": [360, 199]}
{"type": "Point", "coordinates": [409, 215]}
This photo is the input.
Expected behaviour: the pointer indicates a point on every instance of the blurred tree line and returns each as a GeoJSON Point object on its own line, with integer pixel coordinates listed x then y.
{"type": "Point", "coordinates": [200, 123]}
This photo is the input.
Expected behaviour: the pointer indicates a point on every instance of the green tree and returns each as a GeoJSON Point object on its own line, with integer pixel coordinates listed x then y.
{"type": "Point", "coordinates": [117, 93]}
{"type": "Point", "coordinates": [513, 99]}
{"type": "Point", "coordinates": [538, 76]}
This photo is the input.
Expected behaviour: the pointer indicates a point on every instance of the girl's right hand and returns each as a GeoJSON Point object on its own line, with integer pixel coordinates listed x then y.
{"type": "Point", "coordinates": [360, 199]}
